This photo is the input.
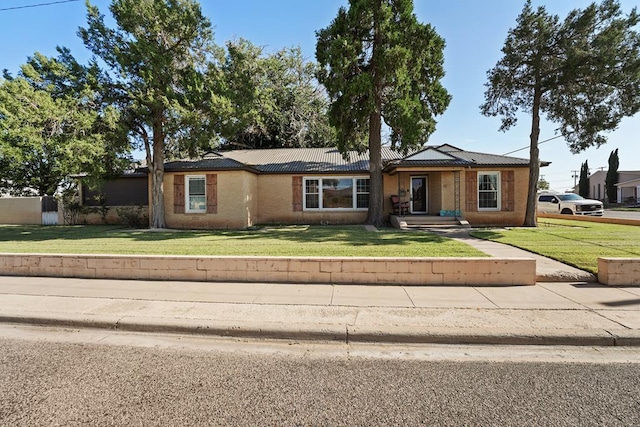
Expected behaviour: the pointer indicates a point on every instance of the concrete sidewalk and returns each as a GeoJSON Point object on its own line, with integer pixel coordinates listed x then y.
{"type": "Point", "coordinates": [547, 313]}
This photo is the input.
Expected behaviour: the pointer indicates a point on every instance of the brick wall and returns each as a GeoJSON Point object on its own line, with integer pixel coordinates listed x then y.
{"type": "Point", "coordinates": [340, 270]}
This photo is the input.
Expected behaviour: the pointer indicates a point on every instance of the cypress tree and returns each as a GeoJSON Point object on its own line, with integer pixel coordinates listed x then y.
{"type": "Point", "coordinates": [612, 177]}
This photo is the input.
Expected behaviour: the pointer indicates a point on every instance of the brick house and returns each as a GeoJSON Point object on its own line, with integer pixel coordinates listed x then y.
{"type": "Point", "coordinates": [243, 188]}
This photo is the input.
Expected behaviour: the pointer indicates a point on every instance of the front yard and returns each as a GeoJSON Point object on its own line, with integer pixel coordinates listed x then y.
{"type": "Point", "coordinates": [577, 243]}
{"type": "Point", "coordinates": [347, 241]}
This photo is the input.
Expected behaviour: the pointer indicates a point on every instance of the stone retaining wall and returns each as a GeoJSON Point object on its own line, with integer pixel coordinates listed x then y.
{"type": "Point", "coordinates": [379, 270]}
{"type": "Point", "coordinates": [619, 271]}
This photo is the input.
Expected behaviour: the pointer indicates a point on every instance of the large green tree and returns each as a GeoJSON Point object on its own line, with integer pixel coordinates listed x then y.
{"type": "Point", "coordinates": [65, 78]}
{"type": "Point", "coordinates": [275, 99]}
{"type": "Point", "coordinates": [611, 179]}
{"type": "Point", "coordinates": [159, 70]}
{"type": "Point", "coordinates": [41, 138]}
{"type": "Point", "coordinates": [583, 73]}
{"type": "Point", "coordinates": [53, 124]}
{"type": "Point", "coordinates": [378, 63]}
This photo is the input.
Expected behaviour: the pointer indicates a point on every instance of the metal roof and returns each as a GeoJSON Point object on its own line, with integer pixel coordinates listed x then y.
{"type": "Point", "coordinates": [328, 160]}
{"type": "Point", "coordinates": [300, 160]}
{"type": "Point", "coordinates": [207, 163]}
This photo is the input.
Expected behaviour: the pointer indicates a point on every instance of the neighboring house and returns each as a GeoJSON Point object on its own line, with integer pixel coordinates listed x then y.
{"type": "Point", "coordinates": [627, 185]}
{"type": "Point", "coordinates": [629, 191]}
{"type": "Point", "coordinates": [239, 189]}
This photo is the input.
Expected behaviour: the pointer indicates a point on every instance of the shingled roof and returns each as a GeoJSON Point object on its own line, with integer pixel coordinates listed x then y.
{"type": "Point", "coordinates": [329, 160]}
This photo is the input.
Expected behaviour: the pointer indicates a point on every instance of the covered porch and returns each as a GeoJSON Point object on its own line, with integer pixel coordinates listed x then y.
{"type": "Point", "coordinates": [426, 192]}
{"type": "Point", "coordinates": [629, 191]}
{"type": "Point", "coordinates": [427, 197]}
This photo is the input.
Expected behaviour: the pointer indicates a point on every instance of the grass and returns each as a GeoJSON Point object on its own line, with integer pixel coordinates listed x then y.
{"type": "Point", "coordinates": [575, 243]}
{"type": "Point", "coordinates": [347, 241]}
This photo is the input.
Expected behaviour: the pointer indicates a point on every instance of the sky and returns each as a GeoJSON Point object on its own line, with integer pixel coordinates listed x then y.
{"type": "Point", "coordinates": [474, 32]}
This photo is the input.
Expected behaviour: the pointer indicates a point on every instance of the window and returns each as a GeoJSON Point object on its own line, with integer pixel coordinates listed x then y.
{"type": "Point", "coordinates": [489, 191]}
{"type": "Point", "coordinates": [196, 198]}
{"type": "Point", "coordinates": [362, 193]}
{"type": "Point", "coordinates": [336, 193]}
{"type": "Point", "coordinates": [312, 193]}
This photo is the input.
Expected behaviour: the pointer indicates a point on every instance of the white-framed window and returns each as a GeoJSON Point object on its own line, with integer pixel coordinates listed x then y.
{"type": "Point", "coordinates": [336, 192]}
{"type": "Point", "coordinates": [488, 191]}
{"type": "Point", "coordinates": [195, 193]}
{"type": "Point", "coordinates": [362, 193]}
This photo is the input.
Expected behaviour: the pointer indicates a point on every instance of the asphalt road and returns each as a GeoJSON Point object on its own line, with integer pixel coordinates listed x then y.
{"type": "Point", "coordinates": [608, 213]}
{"type": "Point", "coordinates": [189, 381]}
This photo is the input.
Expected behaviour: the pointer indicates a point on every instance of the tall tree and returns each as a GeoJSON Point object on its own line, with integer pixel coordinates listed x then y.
{"type": "Point", "coordinates": [583, 183]}
{"type": "Point", "coordinates": [275, 99]}
{"type": "Point", "coordinates": [612, 177]}
{"type": "Point", "coordinates": [583, 73]}
{"type": "Point", "coordinates": [52, 125]}
{"type": "Point", "coordinates": [160, 71]}
{"type": "Point", "coordinates": [378, 63]}
{"type": "Point", "coordinates": [64, 78]}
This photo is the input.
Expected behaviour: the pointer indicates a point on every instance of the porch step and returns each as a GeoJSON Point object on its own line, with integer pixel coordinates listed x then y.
{"type": "Point", "coordinates": [407, 222]}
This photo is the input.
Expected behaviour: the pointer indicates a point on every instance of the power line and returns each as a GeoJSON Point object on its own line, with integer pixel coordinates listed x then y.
{"type": "Point", "coordinates": [539, 143]}
{"type": "Point", "coordinates": [37, 5]}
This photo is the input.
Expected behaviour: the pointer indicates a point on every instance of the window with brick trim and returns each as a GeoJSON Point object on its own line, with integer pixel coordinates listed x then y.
{"type": "Point", "coordinates": [340, 192]}
{"type": "Point", "coordinates": [489, 195]}
{"type": "Point", "coordinates": [195, 194]}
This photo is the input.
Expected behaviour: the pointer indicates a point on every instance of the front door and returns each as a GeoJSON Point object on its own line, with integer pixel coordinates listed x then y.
{"type": "Point", "coordinates": [419, 194]}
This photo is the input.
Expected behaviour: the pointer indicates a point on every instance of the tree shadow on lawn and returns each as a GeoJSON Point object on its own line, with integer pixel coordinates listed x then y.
{"type": "Point", "coordinates": [353, 235]}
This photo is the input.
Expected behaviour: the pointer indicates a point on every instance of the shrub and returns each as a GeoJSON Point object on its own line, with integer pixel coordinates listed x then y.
{"type": "Point", "coordinates": [133, 216]}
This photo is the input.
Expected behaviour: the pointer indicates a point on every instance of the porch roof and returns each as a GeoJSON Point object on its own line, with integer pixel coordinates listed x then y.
{"type": "Point", "coordinates": [631, 183]}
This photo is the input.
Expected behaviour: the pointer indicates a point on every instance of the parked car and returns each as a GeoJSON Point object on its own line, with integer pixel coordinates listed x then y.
{"type": "Point", "coordinates": [568, 204]}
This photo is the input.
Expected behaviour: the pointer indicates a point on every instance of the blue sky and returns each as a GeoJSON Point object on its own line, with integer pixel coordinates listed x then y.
{"type": "Point", "coordinates": [474, 32]}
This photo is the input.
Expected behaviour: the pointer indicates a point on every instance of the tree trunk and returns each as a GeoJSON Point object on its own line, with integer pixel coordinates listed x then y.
{"type": "Point", "coordinates": [156, 170]}
{"type": "Point", "coordinates": [530, 219]}
{"type": "Point", "coordinates": [376, 212]}
{"type": "Point", "coordinates": [376, 208]}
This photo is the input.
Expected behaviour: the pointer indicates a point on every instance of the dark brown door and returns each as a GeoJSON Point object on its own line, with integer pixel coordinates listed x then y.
{"type": "Point", "coordinates": [418, 194]}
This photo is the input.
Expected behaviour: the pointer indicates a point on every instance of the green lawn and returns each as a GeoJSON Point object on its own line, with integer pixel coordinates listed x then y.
{"type": "Point", "coordinates": [578, 243]}
{"type": "Point", "coordinates": [269, 241]}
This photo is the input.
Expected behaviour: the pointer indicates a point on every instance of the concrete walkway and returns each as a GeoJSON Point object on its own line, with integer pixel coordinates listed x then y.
{"type": "Point", "coordinates": [547, 269]}
{"type": "Point", "coordinates": [547, 313]}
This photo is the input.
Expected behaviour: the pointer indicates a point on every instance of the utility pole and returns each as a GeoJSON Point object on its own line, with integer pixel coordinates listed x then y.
{"type": "Point", "coordinates": [575, 177]}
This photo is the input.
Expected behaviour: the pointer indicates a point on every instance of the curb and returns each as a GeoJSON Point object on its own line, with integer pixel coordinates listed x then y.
{"type": "Point", "coordinates": [343, 333]}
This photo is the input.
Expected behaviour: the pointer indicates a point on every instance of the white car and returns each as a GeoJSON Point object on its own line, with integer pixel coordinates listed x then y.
{"type": "Point", "coordinates": [568, 204]}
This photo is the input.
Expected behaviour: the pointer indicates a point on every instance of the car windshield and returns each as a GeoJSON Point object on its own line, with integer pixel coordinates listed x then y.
{"type": "Point", "coordinates": [567, 197]}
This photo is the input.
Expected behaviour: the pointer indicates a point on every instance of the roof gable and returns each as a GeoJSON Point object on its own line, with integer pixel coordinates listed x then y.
{"type": "Point", "coordinates": [430, 153]}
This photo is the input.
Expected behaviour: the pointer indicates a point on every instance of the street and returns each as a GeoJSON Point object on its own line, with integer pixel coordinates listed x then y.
{"type": "Point", "coordinates": [95, 377]}
{"type": "Point", "coordinates": [608, 213]}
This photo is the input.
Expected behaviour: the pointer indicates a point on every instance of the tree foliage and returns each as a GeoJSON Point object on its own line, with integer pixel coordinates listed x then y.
{"type": "Point", "coordinates": [160, 72]}
{"type": "Point", "coordinates": [543, 184]}
{"type": "Point", "coordinates": [275, 99]}
{"type": "Point", "coordinates": [583, 183]}
{"type": "Point", "coordinates": [583, 73]}
{"type": "Point", "coordinates": [378, 63]}
{"type": "Point", "coordinates": [53, 124]}
{"type": "Point", "coordinates": [612, 177]}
